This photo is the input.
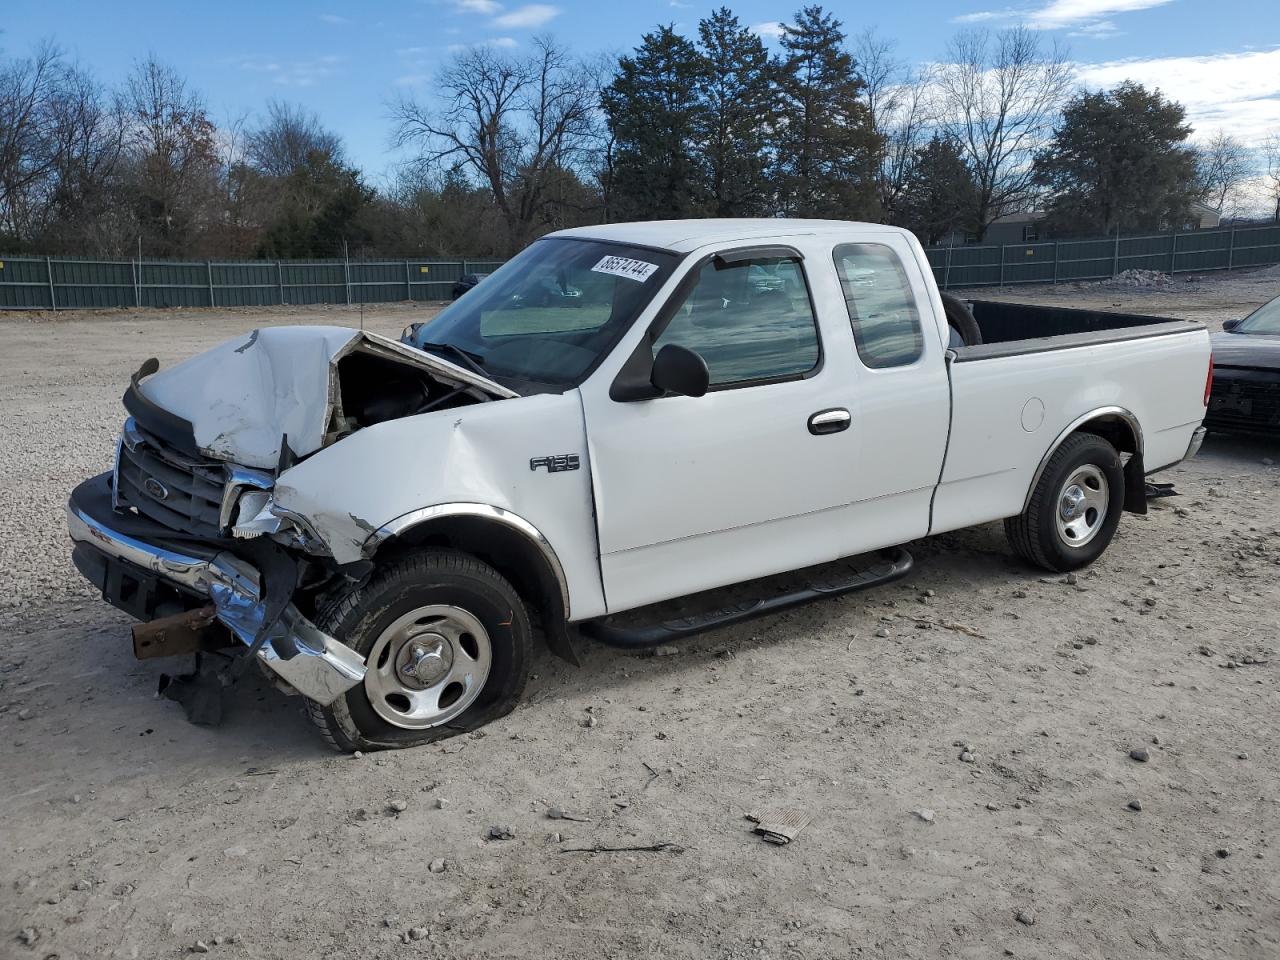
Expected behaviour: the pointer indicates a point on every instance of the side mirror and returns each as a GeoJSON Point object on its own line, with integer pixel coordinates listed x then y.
{"type": "Point", "coordinates": [679, 370]}
{"type": "Point", "coordinates": [409, 332]}
{"type": "Point", "coordinates": [1231, 324]}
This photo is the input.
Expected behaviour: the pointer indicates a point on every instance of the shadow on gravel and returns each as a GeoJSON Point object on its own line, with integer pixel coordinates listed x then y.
{"type": "Point", "coordinates": [93, 709]}
{"type": "Point", "coordinates": [1242, 449]}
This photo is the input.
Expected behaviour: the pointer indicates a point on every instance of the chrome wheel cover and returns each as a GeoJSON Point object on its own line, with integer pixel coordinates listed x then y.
{"type": "Point", "coordinates": [428, 666]}
{"type": "Point", "coordinates": [1081, 506]}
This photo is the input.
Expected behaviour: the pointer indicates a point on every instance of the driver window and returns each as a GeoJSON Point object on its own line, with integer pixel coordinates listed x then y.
{"type": "Point", "coordinates": [751, 321]}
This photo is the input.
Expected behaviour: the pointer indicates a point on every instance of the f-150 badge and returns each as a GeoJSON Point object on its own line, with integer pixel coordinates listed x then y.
{"type": "Point", "coordinates": [561, 461]}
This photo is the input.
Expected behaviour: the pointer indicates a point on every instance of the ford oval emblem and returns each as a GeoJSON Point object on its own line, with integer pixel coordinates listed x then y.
{"type": "Point", "coordinates": [155, 489]}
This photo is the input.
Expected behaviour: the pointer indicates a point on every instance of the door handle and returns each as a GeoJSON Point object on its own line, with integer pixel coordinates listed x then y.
{"type": "Point", "coordinates": [829, 421]}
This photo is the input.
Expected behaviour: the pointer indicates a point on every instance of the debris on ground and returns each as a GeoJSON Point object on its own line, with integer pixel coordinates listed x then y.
{"type": "Point", "coordinates": [925, 814]}
{"type": "Point", "coordinates": [558, 813]}
{"type": "Point", "coordinates": [1143, 279]}
{"type": "Point", "coordinates": [781, 825]}
{"type": "Point", "coordinates": [664, 846]}
{"type": "Point", "coordinates": [501, 833]}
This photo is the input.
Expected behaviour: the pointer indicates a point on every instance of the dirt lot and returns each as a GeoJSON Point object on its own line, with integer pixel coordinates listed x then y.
{"type": "Point", "coordinates": [134, 834]}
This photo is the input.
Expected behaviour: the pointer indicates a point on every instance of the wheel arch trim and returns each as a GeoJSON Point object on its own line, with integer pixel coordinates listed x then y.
{"type": "Point", "coordinates": [477, 511]}
{"type": "Point", "coordinates": [1122, 414]}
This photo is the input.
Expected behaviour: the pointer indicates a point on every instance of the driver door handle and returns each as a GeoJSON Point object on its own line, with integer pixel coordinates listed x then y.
{"type": "Point", "coordinates": [829, 421]}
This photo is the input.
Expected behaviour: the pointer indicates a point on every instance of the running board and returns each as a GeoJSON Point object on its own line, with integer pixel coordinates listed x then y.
{"type": "Point", "coordinates": [629, 631]}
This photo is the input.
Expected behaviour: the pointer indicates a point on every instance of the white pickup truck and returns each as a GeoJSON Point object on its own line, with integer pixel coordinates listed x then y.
{"type": "Point", "coordinates": [617, 435]}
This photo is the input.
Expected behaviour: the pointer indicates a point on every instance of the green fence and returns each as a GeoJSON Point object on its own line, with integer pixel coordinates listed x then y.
{"type": "Point", "coordinates": [59, 283]}
{"type": "Point", "coordinates": [1067, 260]}
{"type": "Point", "coordinates": [56, 283]}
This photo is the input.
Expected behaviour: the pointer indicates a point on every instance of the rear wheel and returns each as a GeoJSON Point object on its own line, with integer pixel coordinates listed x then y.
{"type": "Point", "coordinates": [1075, 507]}
{"type": "Point", "coordinates": [446, 642]}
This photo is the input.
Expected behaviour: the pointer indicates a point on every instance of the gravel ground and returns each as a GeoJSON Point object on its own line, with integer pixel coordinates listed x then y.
{"type": "Point", "coordinates": [135, 834]}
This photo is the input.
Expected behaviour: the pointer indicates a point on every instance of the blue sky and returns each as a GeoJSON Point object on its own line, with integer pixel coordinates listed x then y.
{"type": "Point", "coordinates": [347, 61]}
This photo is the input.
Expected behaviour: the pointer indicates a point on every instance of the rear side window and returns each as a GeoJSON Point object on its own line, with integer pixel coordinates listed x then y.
{"type": "Point", "coordinates": [751, 321]}
{"type": "Point", "coordinates": [886, 322]}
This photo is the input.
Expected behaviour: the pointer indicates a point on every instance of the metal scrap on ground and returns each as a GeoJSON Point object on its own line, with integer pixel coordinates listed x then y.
{"type": "Point", "coordinates": [779, 826]}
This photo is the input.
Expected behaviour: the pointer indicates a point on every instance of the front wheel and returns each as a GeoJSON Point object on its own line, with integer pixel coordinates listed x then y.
{"type": "Point", "coordinates": [1075, 507]}
{"type": "Point", "coordinates": [446, 641]}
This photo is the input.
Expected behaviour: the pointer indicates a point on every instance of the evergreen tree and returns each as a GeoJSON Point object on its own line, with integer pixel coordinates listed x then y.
{"type": "Point", "coordinates": [1119, 161]}
{"type": "Point", "coordinates": [737, 96]}
{"type": "Point", "coordinates": [826, 150]}
{"type": "Point", "coordinates": [940, 193]}
{"type": "Point", "coordinates": [655, 115]}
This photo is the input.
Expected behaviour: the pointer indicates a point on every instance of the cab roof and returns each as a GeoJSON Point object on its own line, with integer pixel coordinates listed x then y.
{"type": "Point", "coordinates": [684, 236]}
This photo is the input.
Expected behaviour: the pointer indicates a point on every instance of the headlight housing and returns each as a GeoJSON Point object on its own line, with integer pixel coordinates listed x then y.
{"type": "Point", "coordinates": [257, 515]}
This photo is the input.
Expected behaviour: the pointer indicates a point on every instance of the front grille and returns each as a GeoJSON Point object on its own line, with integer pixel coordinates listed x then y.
{"type": "Point", "coordinates": [1245, 400]}
{"type": "Point", "coordinates": [182, 492]}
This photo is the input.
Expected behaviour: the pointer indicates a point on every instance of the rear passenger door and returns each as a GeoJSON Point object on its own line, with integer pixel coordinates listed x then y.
{"type": "Point", "coordinates": [903, 397]}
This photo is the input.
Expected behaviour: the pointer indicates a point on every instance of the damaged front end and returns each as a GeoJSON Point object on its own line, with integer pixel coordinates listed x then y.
{"type": "Point", "coordinates": [185, 531]}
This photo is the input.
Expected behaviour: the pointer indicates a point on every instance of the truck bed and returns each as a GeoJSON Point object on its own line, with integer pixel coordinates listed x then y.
{"type": "Point", "coordinates": [1011, 329]}
{"type": "Point", "coordinates": [1042, 369]}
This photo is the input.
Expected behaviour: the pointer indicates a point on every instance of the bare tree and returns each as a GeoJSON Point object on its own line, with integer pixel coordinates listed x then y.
{"type": "Point", "coordinates": [1001, 95]}
{"type": "Point", "coordinates": [174, 154]}
{"type": "Point", "coordinates": [903, 107]}
{"type": "Point", "coordinates": [288, 137]}
{"type": "Point", "coordinates": [1223, 164]}
{"type": "Point", "coordinates": [87, 136]}
{"type": "Point", "coordinates": [28, 88]}
{"type": "Point", "coordinates": [513, 123]}
{"type": "Point", "coordinates": [1271, 180]}
{"type": "Point", "coordinates": [59, 145]}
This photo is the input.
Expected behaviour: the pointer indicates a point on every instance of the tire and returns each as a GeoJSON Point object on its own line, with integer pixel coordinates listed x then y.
{"type": "Point", "coordinates": [453, 625]}
{"type": "Point", "coordinates": [1084, 475]}
{"type": "Point", "coordinates": [960, 319]}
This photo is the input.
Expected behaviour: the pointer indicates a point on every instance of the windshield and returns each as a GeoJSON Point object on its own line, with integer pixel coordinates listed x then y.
{"type": "Point", "coordinates": [1266, 319]}
{"type": "Point", "coordinates": [550, 314]}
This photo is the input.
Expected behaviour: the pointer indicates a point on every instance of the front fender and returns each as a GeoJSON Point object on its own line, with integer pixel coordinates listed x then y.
{"type": "Point", "coordinates": [496, 456]}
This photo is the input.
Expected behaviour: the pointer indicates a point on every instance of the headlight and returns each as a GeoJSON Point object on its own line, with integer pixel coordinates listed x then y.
{"type": "Point", "coordinates": [257, 514]}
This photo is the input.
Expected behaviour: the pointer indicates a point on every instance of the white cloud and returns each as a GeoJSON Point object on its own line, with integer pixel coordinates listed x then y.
{"type": "Point", "coordinates": [770, 30]}
{"type": "Point", "coordinates": [530, 15]}
{"type": "Point", "coordinates": [504, 43]}
{"type": "Point", "coordinates": [982, 16]}
{"type": "Point", "coordinates": [1236, 92]}
{"type": "Point", "coordinates": [1098, 30]}
{"type": "Point", "coordinates": [334, 19]}
{"type": "Point", "coordinates": [294, 73]}
{"type": "Point", "coordinates": [1060, 14]}
{"type": "Point", "coordinates": [1067, 13]}
{"type": "Point", "coordinates": [486, 7]}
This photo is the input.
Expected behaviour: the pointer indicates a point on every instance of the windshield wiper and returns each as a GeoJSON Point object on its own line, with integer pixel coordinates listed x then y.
{"type": "Point", "coordinates": [469, 359]}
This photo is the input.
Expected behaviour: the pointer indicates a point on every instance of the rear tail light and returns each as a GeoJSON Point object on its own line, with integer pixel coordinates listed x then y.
{"type": "Point", "coordinates": [1208, 381]}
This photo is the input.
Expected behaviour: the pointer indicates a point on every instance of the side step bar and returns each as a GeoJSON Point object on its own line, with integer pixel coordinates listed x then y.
{"type": "Point", "coordinates": [626, 632]}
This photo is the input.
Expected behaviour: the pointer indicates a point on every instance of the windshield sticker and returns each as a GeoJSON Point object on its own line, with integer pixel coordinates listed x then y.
{"type": "Point", "coordinates": [636, 270]}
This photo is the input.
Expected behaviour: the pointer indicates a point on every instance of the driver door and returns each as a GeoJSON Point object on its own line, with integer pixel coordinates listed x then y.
{"type": "Point", "coordinates": [698, 492]}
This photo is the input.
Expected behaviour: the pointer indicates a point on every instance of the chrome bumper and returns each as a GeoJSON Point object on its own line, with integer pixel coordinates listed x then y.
{"type": "Point", "coordinates": [1197, 439]}
{"type": "Point", "coordinates": [309, 660]}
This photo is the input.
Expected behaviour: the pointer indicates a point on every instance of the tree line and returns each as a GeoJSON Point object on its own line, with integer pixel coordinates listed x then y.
{"type": "Point", "coordinates": [515, 144]}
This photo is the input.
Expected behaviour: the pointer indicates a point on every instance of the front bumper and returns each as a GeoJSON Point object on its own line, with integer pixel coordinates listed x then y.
{"type": "Point", "coordinates": [309, 660]}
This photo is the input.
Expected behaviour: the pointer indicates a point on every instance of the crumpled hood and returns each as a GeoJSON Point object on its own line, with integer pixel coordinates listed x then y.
{"type": "Point", "coordinates": [244, 396]}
